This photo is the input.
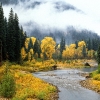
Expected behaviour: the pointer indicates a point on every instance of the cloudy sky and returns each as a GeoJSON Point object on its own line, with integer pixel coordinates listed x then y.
{"type": "Point", "coordinates": [58, 14]}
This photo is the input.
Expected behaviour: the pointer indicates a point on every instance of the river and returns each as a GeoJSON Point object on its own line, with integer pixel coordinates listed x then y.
{"type": "Point", "coordinates": [67, 81]}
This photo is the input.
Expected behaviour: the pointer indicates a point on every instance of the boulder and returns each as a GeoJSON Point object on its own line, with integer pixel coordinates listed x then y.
{"type": "Point", "coordinates": [54, 67]}
{"type": "Point", "coordinates": [87, 64]}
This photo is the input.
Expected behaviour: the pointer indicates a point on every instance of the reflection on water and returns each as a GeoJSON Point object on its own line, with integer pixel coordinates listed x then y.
{"type": "Point", "coordinates": [89, 69]}
{"type": "Point", "coordinates": [68, 83]}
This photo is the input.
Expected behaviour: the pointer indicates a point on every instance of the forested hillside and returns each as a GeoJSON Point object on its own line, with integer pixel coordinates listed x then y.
{"type": "Point", "coordinates": [71, 34]}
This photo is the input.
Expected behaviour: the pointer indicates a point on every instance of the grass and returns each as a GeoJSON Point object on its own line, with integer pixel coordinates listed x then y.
{"type": "Point", "coordinates": [28, 87]}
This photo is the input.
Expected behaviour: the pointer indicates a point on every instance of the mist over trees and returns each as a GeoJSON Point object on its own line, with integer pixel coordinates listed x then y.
{"type": "Point", "coordinates": [71, 35]}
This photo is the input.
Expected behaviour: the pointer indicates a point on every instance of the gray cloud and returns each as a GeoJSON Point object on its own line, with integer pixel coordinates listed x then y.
{"type": "Point", "coordinates": [59, 14]}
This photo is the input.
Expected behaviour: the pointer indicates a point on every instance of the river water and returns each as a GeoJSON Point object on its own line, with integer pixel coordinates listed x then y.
{"type": "Point", "coordinates": [67, 81]}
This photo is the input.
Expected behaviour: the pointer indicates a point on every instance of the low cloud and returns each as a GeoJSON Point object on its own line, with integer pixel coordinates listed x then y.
{"type": "Point", "coordinates": [59, 14]}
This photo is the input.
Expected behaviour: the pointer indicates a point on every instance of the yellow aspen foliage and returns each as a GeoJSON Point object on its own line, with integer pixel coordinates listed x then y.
{"type": "Point", "coordinates": [31, 51]}
{"type": "Point", "coordinates": [65, 53]}
{"type": "Point", "coordinates": [48, 46]}
{"type": "Point", "coordinates": [41, 55]}
{"type": "Point", "coordinates": [33, 40]}
{"type": "Point", "coordinates": [80, 48]}
{"type": "Point", "coordinates": [72, 50]}
{"type": "Point", "coordinates": [72, 46]}
{"type": "Point", "coordinates": [29, 56]}
{"type": "Point", "coordinates": [79, 52]}
{"type": "Point", "coordinates": [27, 41]}
{"type": "Point", "coordinates": [23, 53]}
{"type": "Point", "coordinates": [81, 44]}
{"type": "Point", "coordinates": [58, 46]}
{"type": "Point", "coordinates": [91, 53]}
{"type": "Point", "coordinates": [69, 52]}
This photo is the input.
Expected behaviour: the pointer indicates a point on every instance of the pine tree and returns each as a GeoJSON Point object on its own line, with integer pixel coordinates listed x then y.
{"type": "Point", "coordinates": [76, 42]}
{"type": "Point", "coordinates": [98, 55]}
{"type": "Point", "coordinates": [37, 48]}
{"type": "Point", "coordinates": [11, 42]}
{"type": "Point", "coordinates": [62, 45]}
{"type": "Point", "coordinates": [30, 45]}
{"type": "Point", "coordinates": [17, 39]}
{"type": "Point", "coordinates": [89, 44]}
{"type": "Point", "coordinates": [84, 51]}
{"type": "Point", "coordinates": [2, 33]}
{"type": "Point", "coordinates": [23, 37]}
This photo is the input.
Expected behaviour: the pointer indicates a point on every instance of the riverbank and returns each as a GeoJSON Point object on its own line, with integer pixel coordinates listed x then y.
{"type": "Point", "coordinates": [28, 87]}
{"type": "Point", "coordinates": [92, 81]}
{"type": "Point", "coordinates": [91, 84]}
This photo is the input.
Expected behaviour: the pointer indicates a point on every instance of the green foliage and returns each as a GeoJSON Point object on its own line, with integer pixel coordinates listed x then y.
{"type": "Point", "coordinates": [94, 73]}
{"type": "Point", "coordinates": [30, 45]}
{"type": "Point", "coordinates": [84, 51]}
{"type": "Point", "coordinates": [99, 68]}
{"type": "Point", "coordinates": [37, 48]}
{"type": "Point", "coordinates": [41, 95]}
{"type": "Point", "coordinates": [98, 55]}
{"type": "Point", "coordinates": [7, 86]}
{"type": "Point", "coordinates": [62, 45]}
{"type": "Point", "coordinates": [2, 33]}
{"type": "Point", "coordinates": [17, 39]}
{"type": "Point", "coordinates": [97, 77]}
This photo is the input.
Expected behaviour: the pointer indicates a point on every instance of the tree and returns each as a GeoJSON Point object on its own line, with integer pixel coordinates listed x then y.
{"type": "Point", "coordinates": [23, 53]}
{"type": "Point", "coordinates": [84, 51]}
{"type": "Point", "coordinates": [89, 44]}
{"type": "Point", "coordinates": [80, 49]}
{"type": "Point", "coordinates": [11, 42]}
{"type": "Point", "coordinates": [62, 45]}
{"type": "Point", "coordinates": [76, 42]}
{"type": "Point", "coordinates": [2, 32]}
{"type": "Point", "coordinates": [17, 39]}
{"type": "Point", "coordinates": [37, 48]}
{"type": "Point", "coordinates": [48, 47]}
{"type": "Point", "coordinates": [30, 45]}
{"type": "Point", "coordinates": [23, 37]}
{"type": "Point", "coordinates": [98, 55]}
{"type": "Point", "coordinates": [69, 52]}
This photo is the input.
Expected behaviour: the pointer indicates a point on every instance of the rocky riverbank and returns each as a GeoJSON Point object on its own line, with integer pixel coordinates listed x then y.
{"type": "Point", "coordinates": [91, 84]}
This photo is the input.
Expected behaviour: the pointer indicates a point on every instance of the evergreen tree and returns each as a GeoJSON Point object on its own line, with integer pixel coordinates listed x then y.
{"type": "Point", "coordinates": [84, 51]}
{"type": "Point", "coordinates": [2, 33]}
{"type": "Point", "coordinates": [76, 42]}
{"type": "Point", "coordinates": [98, 55]}
{"type": "Point", "coordinates": [11, 42]}
{"type": "Point", "coordinates": [30, 45]}
{"type": "Point", "coordinates": [62, 45]}
{"type": "Point", "coordinates": [23, 37]}
{"type": "Point", "coordinates": [95, 44]}
{"type": "Point", "coordinates": [37, 48]}
{"type": "Point", "coordinates": [17, 39]}
{"type": "Point", "coordinates": [89, 44]}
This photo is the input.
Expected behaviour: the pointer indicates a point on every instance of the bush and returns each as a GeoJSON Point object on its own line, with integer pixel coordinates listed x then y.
{"type": "Point", "coordinates": [99, 68]}
{"type": "Point", "coordinates": [7, 86]}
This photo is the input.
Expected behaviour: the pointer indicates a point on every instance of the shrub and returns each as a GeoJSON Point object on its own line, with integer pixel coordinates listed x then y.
{"type": "Point", "coordinates": [7, 86]}
{"type": "Point", "coordinates": [99, 68]}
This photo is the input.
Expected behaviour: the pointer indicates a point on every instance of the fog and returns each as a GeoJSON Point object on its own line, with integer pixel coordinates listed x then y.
{"type": "Point", "coordinates": [57, 14]}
